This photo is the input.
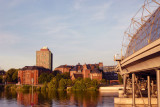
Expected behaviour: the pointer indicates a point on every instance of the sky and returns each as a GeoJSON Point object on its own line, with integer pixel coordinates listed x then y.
{"type": "Point", "coordinates": [76, 31]}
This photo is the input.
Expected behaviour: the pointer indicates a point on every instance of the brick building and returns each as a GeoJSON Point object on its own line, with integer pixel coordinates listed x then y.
{"type": "Point", "coordinates": [92, 71]}
{"type": "Point", "coordinates": [63, 68]}
{"type": "Point", "coordinates": [109, 73]}
{"type": "Point", "coordinates": [26, 74]}
{"type": "Point", "coordinates": [44, 58]}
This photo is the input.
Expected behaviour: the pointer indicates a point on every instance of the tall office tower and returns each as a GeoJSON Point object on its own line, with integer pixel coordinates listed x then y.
{"type": "Point", "coordinates": [44, 58]}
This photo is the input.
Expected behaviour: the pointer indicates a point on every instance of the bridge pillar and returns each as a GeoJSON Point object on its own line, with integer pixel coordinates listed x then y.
{"type": "Point", "coordinates": [149, 91]}
{"type": "Point", "coordinates": [158, 88]}
{"type": "Point", "coordinates": [124, 83]}
{"type": "Point", "coordinates": [133, 90]}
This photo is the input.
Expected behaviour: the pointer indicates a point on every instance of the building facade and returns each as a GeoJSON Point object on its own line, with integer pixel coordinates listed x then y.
{"type": "Point", "coordinates": [44, 58]}
{"type": "Point", "coordinates": [30, 74]}
{"type": "Point", "coordinates": [92, 71]}
{"type": "Point", "coordinates": [63, 68]}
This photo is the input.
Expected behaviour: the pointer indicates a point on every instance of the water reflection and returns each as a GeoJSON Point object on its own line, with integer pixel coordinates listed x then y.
{"type": "Point", "coordinates": [60, 98]}
{"type": "Point", "coordinates": [27, 98]}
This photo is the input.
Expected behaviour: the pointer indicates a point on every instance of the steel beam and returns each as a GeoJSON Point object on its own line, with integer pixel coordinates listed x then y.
{"type": "Point", "coordinates": [158, 88]}
{"type": "Point", "coordinates": [133, 90]}
{"type": "Point", "coordinates": [149, 91]}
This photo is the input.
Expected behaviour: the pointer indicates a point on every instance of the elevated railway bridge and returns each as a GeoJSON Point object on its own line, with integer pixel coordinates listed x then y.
{"type": "Point", "coordinates": [140, 65]}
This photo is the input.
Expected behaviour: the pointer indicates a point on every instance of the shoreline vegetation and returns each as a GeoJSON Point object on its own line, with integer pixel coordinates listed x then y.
{"type": "Point", "coordinates": [53, 81]}
{"type": "Point", "coordinates": [58, 85]}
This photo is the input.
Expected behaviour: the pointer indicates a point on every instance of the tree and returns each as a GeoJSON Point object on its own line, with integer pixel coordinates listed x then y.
{"type": "Point", "coordinates": [42, 78]}
{"type": "Point", "coordinates": [69, 82]}
{"type": "Point", "coordinates": [66, 75]}
{"type": "Point", "coordinates": [1, 79]}
{"type": "Point", "coordinates": [45, 77]}
{"type": "Point", "coordinates": [79, 85]}
{"type": "Point", "coordinates": [53, 84]}
{"type": "Point", "coordinates": [94, 83]}
{"type": "Point", "coordinates": [103, 81]}
{"type": "Point", "coordinates": [12, 75]}
{"type": "Point", "coordinates": [120, 79]}
{"type": "Point", "coordinates": [87, 82]}
{"type": "Point", "coordinates": [62, 84]}
{"type": "Point", "coordinates": [15, 76]}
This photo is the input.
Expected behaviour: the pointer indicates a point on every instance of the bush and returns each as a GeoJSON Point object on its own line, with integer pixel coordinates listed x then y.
{"type": "Point", "coordinates": [103, 81]}
{"type": "Point", "coordinates": [45, 77]}
{"type": "Point", "coordinates": [79, 85]}
{"type": "Point", "coordinates": [87, 82]}
{"type": "Point", "coordinates": [69, 83]}
{"type": "Point", "coordinates": [94, 83]}
{"type": "Point", "coordinates": [53, 84]}
{"type": "Point", "coordinates": [62, 84]}
{"type": "Point", "coordinates": [108, 82]}
{"type": "Point", "coordinates": [26, 87]}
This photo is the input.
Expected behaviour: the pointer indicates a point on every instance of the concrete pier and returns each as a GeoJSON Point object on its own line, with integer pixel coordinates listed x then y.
{"type": "Point", "coordinates": [138, 101]}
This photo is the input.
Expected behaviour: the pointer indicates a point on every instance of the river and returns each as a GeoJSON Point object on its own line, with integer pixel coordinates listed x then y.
{"type": "Point", "coordinates": [57, 99]}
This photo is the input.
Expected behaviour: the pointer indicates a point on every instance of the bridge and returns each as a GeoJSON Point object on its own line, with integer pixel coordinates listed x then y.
{"type": "Point", "coordinates": [140, 64]}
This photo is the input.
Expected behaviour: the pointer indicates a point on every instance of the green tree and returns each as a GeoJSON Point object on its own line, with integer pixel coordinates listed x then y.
{"type": "Point", "coordinates": [120, 79]}
{"type": "Point", "coordinates": [1, 78]}
{"type": "Point", "coordinates": [42, 78]}
{"type": "Point", "coordinates": [15, 76]}
{"type": "Point", "coordinates": [103, 81]}
{"type": "Point", "coordinates": [69, 82]}
{"type": "Point", "coordinates": [12, 75]}
{"type": "Point", "coordinates": [62, 84]}
{"type": "Point", "coordinates": [45, 77]}
{"type": "Point", "coordinates": [58, 77]}
{"type": "Point", "coordinates": [53, 84]}
{"type": "Point", "coordinates": [94, 83]}
{"type": "Point", "coordinates": [87, 82]}
{"type": "Point", "coordinates": [79, 85]}
{"type": "Point", "coordinates": [66, 75]}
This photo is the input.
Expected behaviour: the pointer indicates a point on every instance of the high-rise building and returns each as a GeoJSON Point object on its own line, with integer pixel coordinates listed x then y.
{"type": "Point", "coordinates": [44, 58]}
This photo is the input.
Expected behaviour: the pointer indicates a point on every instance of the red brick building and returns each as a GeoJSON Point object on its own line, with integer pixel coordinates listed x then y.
{"type": "Point", "coordinates": [64, 68]}
{"type": "Point", "coordinates": [92, 71]}
{"type": "Point", "coordinates": [26, 74]}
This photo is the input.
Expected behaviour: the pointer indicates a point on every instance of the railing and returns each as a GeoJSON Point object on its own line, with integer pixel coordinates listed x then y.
{"type": "Point", "coordinates": [146, 34]}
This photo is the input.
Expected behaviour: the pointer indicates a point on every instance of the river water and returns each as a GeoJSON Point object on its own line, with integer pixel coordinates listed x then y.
{"type": "Point", "coordinates": [57, 99]}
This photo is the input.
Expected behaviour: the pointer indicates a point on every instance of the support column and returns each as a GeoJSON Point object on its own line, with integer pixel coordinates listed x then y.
{"type": "Point", "coordinates": [149, 91]}
{"type": "Point", "coordinates": [124, 83]}
{"type": "Point", "coordinates": [158, 88]}
{"type": "Point", "coordinates": [133, 90]}
{"type": "Point", "coordinates": [152, 83]}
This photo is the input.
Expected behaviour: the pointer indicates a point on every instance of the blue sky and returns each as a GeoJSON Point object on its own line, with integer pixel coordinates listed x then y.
{"type": "Point", "coordinates": [85, 31]}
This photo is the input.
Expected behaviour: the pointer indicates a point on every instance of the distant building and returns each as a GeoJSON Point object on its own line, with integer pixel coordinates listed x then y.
{"type": "Point", "coordinates": [63, 68]}
{"type": "Point", "coordinates": [91, 71]}
{"type": "Point", "coordinates": [26, 74]}
{"type": "Point", "coordinates": [44, 58]}
{"type": "Point", "coordinates": [109, 73]}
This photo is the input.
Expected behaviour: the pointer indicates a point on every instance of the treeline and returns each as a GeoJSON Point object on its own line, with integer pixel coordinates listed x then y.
{"type": "Point", "coordinates": [10, 76]}
{"type": "Point", "coordinates": [62, 81]}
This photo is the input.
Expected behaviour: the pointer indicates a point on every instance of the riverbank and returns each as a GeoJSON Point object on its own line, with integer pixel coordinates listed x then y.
{"type": "Point", "coordinates": [108, 88]}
